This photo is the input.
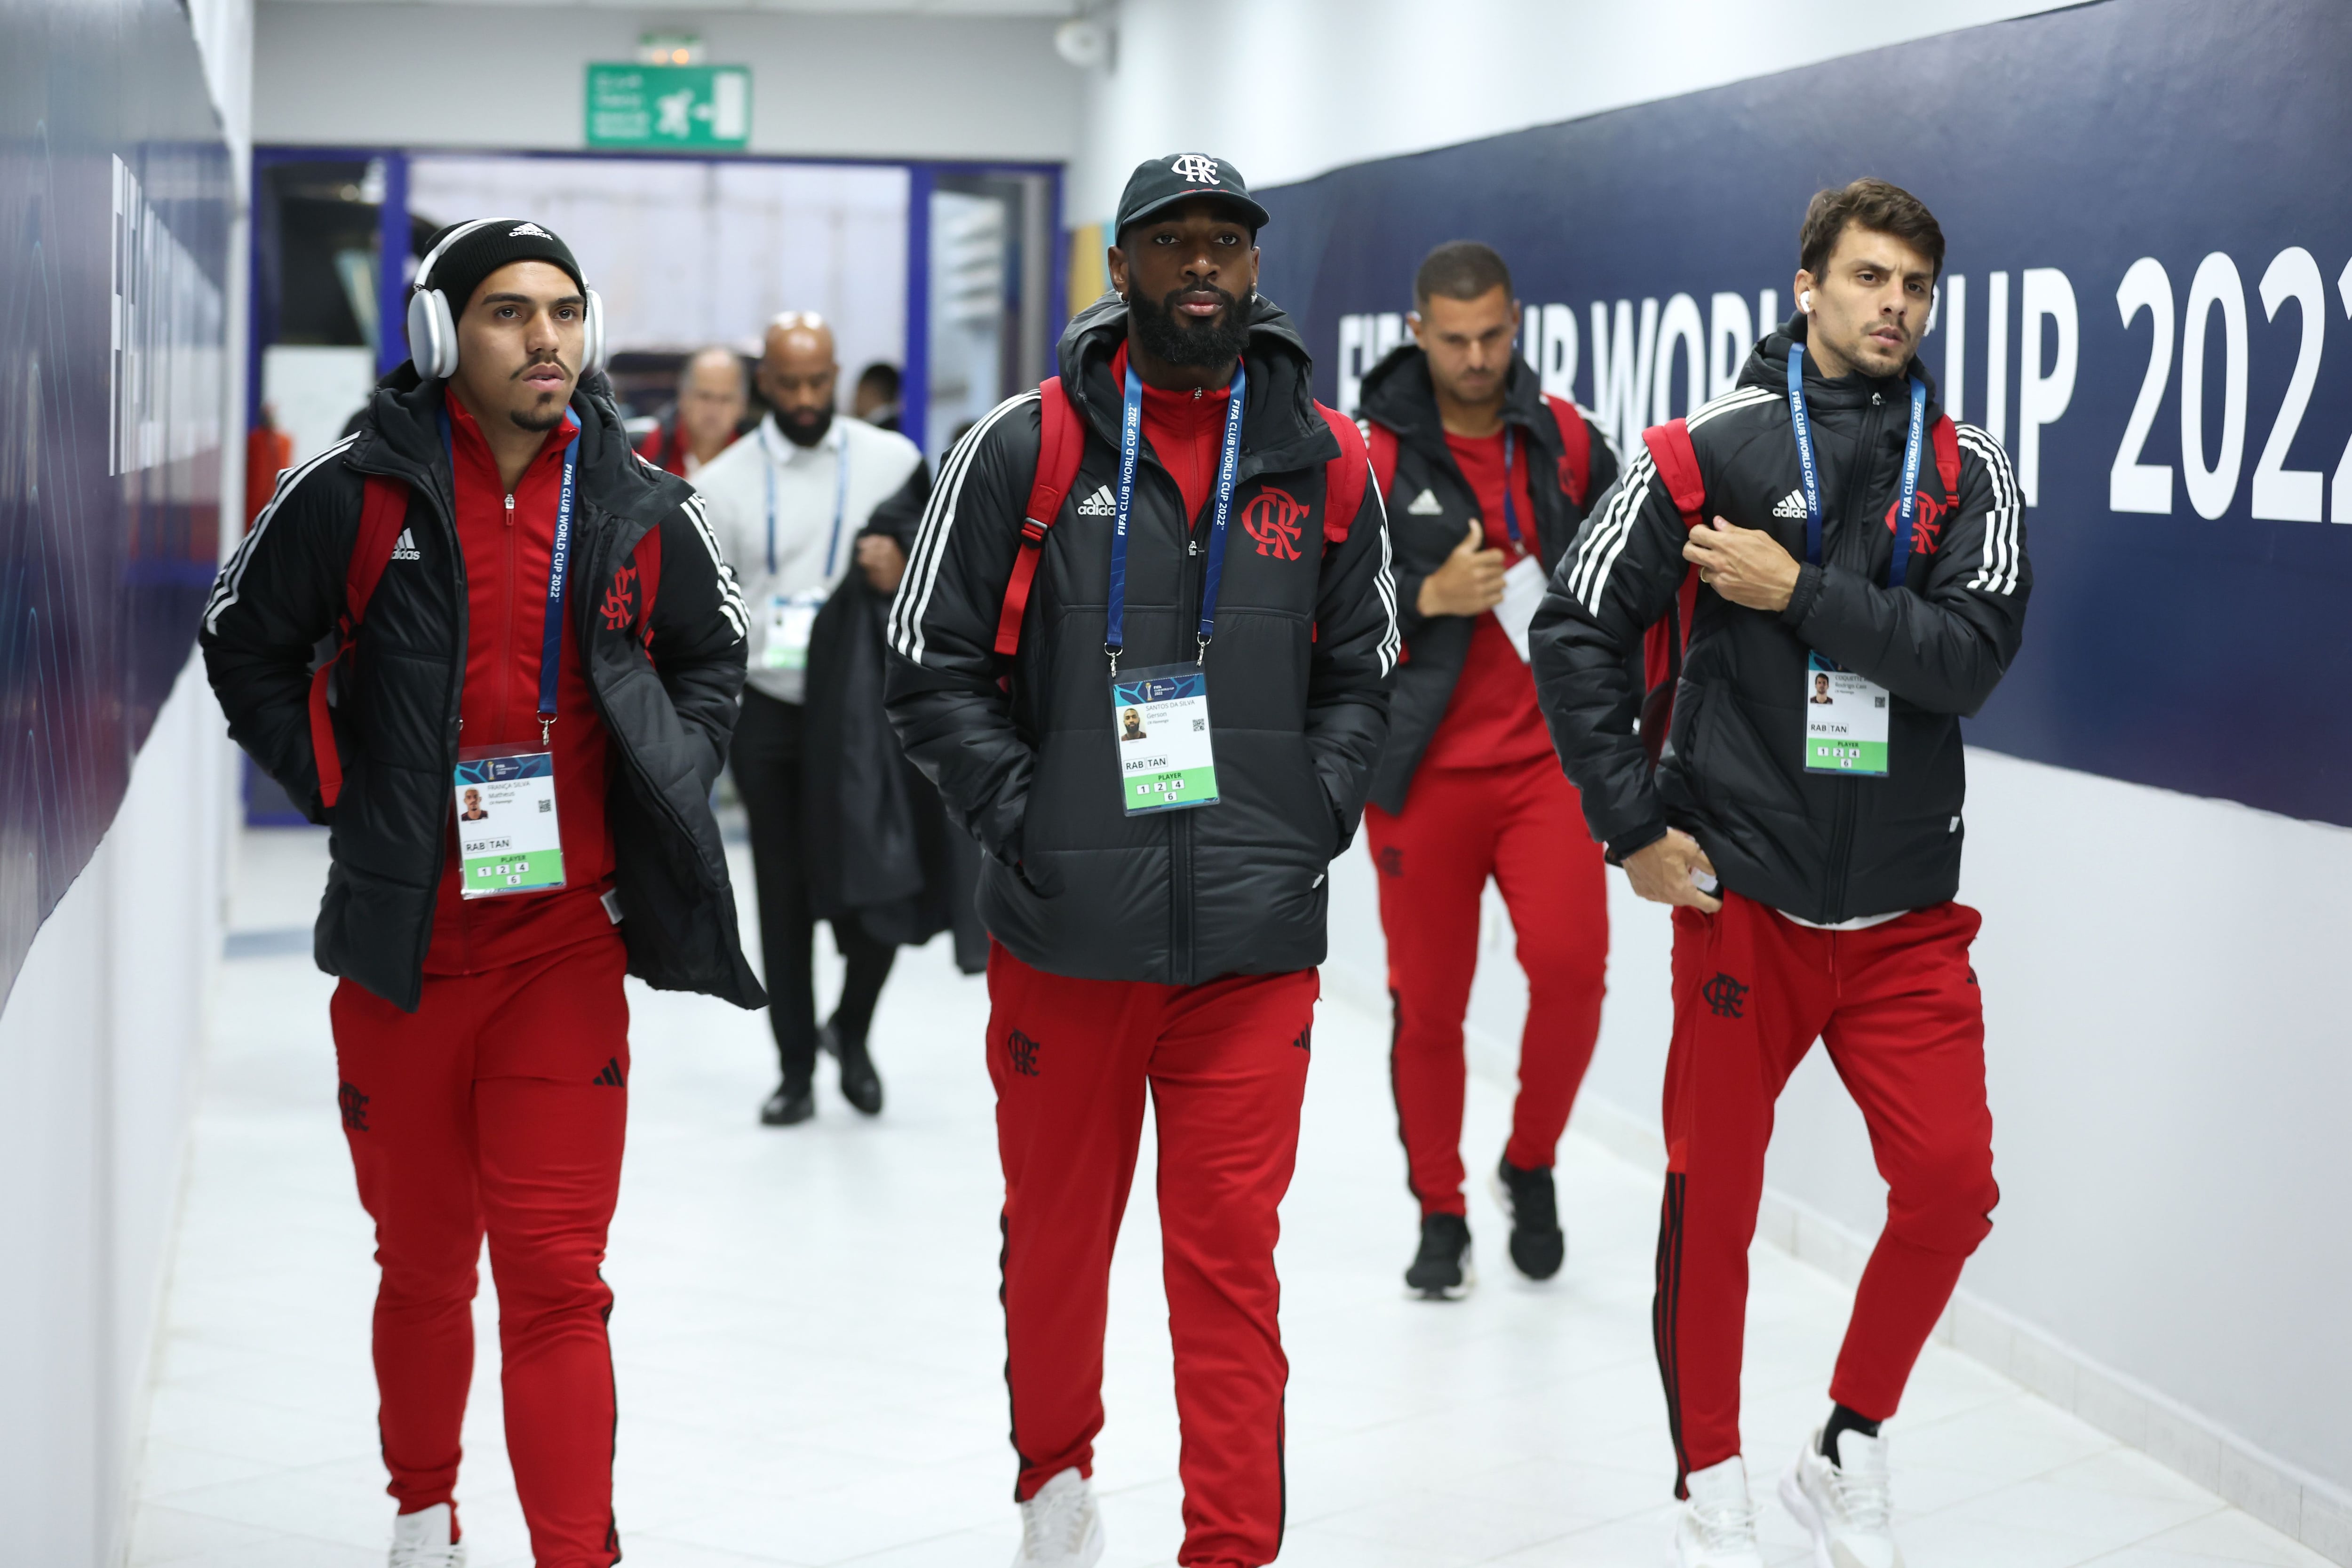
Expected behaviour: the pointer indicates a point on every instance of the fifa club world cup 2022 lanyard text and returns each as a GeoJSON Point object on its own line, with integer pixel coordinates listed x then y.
{"type": "Point", "coordinates": [1160, 714]}
{"type": "Point", "coordinates": [509, 834]}
{"type": "Point", "coordinates": [1845, 715]}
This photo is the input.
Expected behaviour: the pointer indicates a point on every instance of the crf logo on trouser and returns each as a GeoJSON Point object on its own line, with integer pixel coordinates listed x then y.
{"type": "Point", "coordinates": [498, 1107]}
{"type": "Point", "coordinates": [1225, 1068]}
{"type": "Point", "coordinates": [1896, 1010]}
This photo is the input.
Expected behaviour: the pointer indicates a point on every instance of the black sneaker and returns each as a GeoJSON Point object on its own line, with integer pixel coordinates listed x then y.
{"type": "Point", "coordinates": [789, 1106]}
{"type": "Point", "coordinates": [1539, 1247]}
{"type": "Point", "coordinates": [1442, 1271]}
{"type": "Point", "coordinates": [860, 1084]}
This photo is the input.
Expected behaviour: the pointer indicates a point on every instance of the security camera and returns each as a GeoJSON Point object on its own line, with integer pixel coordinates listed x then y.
{"type": "Point", "coordinates": [1083, 42]}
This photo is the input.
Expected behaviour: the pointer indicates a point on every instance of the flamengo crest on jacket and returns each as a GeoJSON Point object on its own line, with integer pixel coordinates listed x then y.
{"type": "Point", "coordinates": [1306, 636]}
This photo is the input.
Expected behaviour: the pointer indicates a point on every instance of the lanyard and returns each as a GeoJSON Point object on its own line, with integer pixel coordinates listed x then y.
{"type": "Point", "coordinates": [840, 499]}
{"type": "Point", "coordinates": [1906, 497]}
{"type": "Point", "coordinates": [1130, 440]}
{"type": "Point", "coordinates": [1510, 507]}
{"type": "Point", "coordinates": [559, 573]}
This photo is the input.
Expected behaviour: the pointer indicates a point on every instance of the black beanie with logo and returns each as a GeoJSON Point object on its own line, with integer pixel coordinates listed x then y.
{"type": "Point", "coordinates": [484, 249]}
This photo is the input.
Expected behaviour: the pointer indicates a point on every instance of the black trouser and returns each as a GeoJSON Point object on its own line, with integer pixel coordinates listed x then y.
{"type": "Point", "coordinates": [766, 759]}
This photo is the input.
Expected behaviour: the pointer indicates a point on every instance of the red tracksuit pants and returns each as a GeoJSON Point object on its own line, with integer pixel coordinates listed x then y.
{"type": "Point", "coordinates": [1897, 1007]}
{"type": "Point", "coordinates": [498, 1107]}
{"type": "Point", "coordinates": [1225, 1065]}
{"type": "Point", "coordinates": [1523, 825]}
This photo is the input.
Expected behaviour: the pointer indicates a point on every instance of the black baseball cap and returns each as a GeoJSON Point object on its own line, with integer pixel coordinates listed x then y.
{"type": "Point", "coordinates": [1159, 184]}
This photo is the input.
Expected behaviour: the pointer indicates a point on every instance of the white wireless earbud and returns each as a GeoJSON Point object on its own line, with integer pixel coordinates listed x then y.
{"type": "Point", "coordinates": [1805, 302]}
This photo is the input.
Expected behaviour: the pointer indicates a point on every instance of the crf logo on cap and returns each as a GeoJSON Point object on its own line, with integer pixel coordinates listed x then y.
{"type": "Point", "coordinates": [530, 228]}
{"type": "Point", "coordinates": [1273, 518]}
{"type": "Point", "coordinates": [1196, 169]}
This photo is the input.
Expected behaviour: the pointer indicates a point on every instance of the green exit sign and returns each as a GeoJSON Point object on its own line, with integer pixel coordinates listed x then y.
{"type": "Point", "coordinates": [670, 106]}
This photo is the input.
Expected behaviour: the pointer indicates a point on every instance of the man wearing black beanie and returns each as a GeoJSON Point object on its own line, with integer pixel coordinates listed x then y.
{"type": "Point", "coordinates": [530, 621]}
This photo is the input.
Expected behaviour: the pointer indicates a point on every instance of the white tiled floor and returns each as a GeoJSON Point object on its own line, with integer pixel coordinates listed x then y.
{"type": "Point", "coordinates": [809, 1347]}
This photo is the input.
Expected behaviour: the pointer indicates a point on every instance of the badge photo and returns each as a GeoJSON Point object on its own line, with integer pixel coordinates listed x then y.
{"type": "Point", "coordinates": [509, 835]}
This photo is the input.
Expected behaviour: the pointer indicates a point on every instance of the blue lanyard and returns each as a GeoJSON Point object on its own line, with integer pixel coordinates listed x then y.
{"type": "Point", "coordinates": [1907, 499]}
{"type": "Point", "coordinates": [1510, 507]}
{"type": "Point", "coordinates": [1130, 441]}
{"type": "Point", "coordinates": [559, 573]}
{"type": "Point", "coordinates": [840, 502]}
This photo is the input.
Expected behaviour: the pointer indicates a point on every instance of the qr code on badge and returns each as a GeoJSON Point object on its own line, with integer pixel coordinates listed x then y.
{"type": "Point", "coordinates": [546, 805]}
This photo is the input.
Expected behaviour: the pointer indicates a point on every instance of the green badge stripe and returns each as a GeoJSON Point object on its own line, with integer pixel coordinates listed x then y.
{"type": "Point", "coordinates": [1175, 788]}
{"type": "Point", "coordinates": [514, 873]}
{"type": "Point", "coordinates": [1846, 757]}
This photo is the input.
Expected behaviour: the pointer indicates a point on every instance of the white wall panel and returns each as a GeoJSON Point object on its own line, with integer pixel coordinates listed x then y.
{"type": "Point", "coordinates": [1287, 89]}
{"type": "Point", "coordinates": [513, 76]}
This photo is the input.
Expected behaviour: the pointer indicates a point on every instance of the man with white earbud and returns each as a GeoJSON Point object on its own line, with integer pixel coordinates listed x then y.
{"type": "Point", "coordinates": [538, 649]}
{"type": "Point", "coordinates": [1829, 574]}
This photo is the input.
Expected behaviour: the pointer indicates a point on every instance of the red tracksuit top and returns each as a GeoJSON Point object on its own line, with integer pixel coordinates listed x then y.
{"type": "Point", "coordinates": [1492, 717]}
{"type": "Point", "coordinates": [1187, 431]}
{"type": "Point", "coordinates": [506, 552]}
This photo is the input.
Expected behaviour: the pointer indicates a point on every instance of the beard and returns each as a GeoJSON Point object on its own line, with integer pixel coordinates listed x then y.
{"type": "Point", "coordinates": [804, 427]}
{"type": "Point", "coordinates": [539, 421]}
{"type": "Point", "coordinates": [1178, 340]}
{"type": "Point", "coordinates": [548, 412]}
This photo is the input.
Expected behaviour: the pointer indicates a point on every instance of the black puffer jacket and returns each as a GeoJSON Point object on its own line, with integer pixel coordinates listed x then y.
{"type": "Point", "coordinates": [1820, 847]}
{"type": "Point", "coordinates": [1429, 507]}
{"type": "Point", "coordinates": [396, 721]}
{"type": "Point", "coordinates": [1304, 639]}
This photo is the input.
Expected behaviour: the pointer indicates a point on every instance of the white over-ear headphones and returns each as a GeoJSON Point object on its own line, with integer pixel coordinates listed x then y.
{"type": "Point", "coordinates": [433, 325]}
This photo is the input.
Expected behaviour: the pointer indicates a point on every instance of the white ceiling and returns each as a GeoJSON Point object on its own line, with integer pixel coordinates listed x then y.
{"type": "Point", "coordinates": [836, 7]}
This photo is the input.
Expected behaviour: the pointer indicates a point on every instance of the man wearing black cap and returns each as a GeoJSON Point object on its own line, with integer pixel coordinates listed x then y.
{"type": "Point", "coordinates": [1216, 559]}
{"type": "Point", "coordinates": [527, 618]}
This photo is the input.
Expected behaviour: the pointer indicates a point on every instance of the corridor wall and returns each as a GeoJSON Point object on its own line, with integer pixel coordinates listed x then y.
{"type": "Point", "coordinates": [2142, 196]}
{"type": "Point", "coordinates": [123, 130]}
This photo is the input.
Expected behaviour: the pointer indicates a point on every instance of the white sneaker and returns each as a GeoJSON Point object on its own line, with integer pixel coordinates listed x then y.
{"type": "Point", "coordinates": [1060, 1527]}
{"type": "Point", "coordinates": [1848, 1506]}
{"type": "Point", "coordinates": [1717, 1528]}
{"type": "Point", "coordinates": [421, 1540]}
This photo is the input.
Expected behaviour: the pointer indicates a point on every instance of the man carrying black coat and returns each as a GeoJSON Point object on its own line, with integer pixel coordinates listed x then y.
{"type": "Point", "coordinates": [1220, 564]}
{"type": "Point", "coordinates": [535, 624]}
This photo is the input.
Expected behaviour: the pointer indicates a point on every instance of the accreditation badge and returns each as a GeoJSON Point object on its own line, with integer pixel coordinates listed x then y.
{"type": "Point", "coordinates": [1845, 720]}
{"type": "Point", "coordinates": [790, 621]}
{"type": "Point", "coordinates": [1160, 719]}
{"type": "Point", "coordinates": [1523, 592]}
{"type": "Point", "coordinates": [509, 840]}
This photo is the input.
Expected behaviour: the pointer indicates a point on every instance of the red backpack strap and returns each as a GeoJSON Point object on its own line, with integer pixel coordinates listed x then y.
{"type": "Point", "coordinates": [1345, 476]}
{"type": "Point", "coordinates": [1946, 440]}
{"type": "Point", "coordinates": [1576, 448]}
{"type": "Point", "coordinates": [384, 513]}
{"type": "Point", "coordinates": [1381, 443]}
{"type": "Point", "coordinates": [1061, 442]}
{"type": "Point", "coordinates": [1662, 645]}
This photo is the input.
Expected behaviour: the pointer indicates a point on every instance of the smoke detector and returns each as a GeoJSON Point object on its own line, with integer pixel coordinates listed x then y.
{"type": "Point", "coordinates": [1083, 42]}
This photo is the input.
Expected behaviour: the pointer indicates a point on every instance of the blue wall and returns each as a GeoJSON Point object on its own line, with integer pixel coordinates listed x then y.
{"type": "Point", "coordinates": [114, 213]}
{"type": "Point", "coordinates": [2137, 145]}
